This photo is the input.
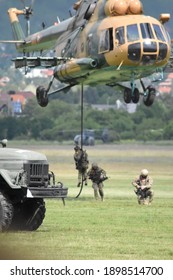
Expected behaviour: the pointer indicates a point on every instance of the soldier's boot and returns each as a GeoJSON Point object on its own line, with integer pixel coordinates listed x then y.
{"type": "Point", "coordinates": [140, 200]}
{"type": "Point", "coordinates": [85, 180]}
{"type": "Point", "coordinates": [150, 198]}
{"type": "Point", "coordinates": [146, 202]}
{"type": "Point", "coordinates": [86, 183]}
{"type": "Point", "coordinates": [79, 180]}
{"type": "Point", "coordinates": [101, 194]}
{"type": "Point", "coordinates": [96, 195]}
{"type": "Point", "coordinates": [78, 185]}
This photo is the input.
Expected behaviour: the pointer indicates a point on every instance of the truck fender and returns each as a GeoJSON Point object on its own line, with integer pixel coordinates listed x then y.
{"type": "Point", "coordinates": [5, 175]}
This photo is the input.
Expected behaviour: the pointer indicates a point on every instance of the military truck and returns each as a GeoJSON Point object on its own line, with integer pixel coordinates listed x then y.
{"type": "Point", "coordinates": [87, 137]}
{"type": "Point", "coordinates": [25, 181]}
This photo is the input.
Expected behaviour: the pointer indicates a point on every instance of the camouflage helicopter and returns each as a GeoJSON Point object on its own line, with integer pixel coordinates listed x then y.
{"type": "Point", "coordinates": [109, 42]}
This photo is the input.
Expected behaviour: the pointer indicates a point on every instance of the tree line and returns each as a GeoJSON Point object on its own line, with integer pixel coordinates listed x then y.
{"type": "Point", "coordinates": [60, 121]}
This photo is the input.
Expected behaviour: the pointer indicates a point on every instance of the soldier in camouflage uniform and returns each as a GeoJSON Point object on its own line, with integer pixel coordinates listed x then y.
{"type": "Point", "coordinates": [97, 175]}
{"type": "Point", "coordinates": [143, 186]}
{"type": "Point", "coordinates": [82, 162]}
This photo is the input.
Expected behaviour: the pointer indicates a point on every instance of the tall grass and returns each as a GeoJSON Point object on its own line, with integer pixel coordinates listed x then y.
{"type": "Point", "coordinates": [117, 228]}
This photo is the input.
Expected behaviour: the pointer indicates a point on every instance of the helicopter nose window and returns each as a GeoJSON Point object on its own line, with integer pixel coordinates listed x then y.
{"type": "Point", "coordinates": [148, 59]}
{"type": "Point", "coordinates": [146, 30]}
{"type": "Point", "coordinates": [168, 38]}
{"type": "Point", "coordinates": [149, 46]}
{"type": "Point", "coordinates": [158, 32]}
{"type": "Point", "coordinates": [163, 49]}
{"type": "Point", "coordinates": [134, 52]}
{"type": "Point", "coordinates": [132, 33]}
{"type": "Point", "coordinates": [119, 35]}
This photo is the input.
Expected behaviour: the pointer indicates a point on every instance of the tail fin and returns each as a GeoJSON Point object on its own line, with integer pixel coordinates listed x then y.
{"type": "Point", "coordinates": [16, 27]}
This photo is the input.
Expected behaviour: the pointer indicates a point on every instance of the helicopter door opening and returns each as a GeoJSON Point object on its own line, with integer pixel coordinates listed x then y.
{"type": "Point", "coordinates": [106, 40]}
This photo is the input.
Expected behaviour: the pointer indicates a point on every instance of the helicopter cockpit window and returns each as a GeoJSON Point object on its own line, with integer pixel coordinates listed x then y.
{"type": "Point", "coordinates": [119, 35]}
{"type": "Point", "coordinates": [168, 38]}
{"type": "Point", "coordinates": [132, 33]}
{"type": "Point", "coordinates": [158, 32]}
{"type": "Point", "coordinates": [106, 40]}
{"type": "Point", "coordinates": [146, 30]}
{"type": "Point", "coordinates": [163, 50]}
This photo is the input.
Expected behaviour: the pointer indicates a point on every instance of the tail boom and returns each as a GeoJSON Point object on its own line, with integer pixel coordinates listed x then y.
{"type": "Point", "coordinates": [16, 27]}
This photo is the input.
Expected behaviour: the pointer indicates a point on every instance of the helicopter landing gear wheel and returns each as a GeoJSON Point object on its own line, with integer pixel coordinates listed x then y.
{"type": "Point", "coordinates": [135, 96]}
{"type": "Point", "coordinates": [127, 95]}
{"type": "Point", "coordinates": [150, 96]}
{"type": "Point", "coordinates": [42, 96]}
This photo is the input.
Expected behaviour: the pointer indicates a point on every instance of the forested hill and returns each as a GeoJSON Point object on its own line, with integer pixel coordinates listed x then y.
{"type": "Point", "coordinates": [47, 12]}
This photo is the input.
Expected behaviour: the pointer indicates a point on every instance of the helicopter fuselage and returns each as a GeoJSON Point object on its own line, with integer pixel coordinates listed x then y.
{"type": "Point", "coordinates": [121, 52]}
{"type": "Point", "coordinates": [106, 42]}
{"type": "Point", "coordinates": [133, 46]}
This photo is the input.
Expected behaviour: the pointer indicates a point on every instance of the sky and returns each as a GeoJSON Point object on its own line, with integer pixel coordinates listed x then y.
{"type": "Point", "coordinates": [152, 8]}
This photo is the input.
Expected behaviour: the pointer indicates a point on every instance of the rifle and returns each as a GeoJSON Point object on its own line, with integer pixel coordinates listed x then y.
{"type": "Point", "coordinates": [141, 193]}
{"type": "Point", "coordinates": [102, 179]}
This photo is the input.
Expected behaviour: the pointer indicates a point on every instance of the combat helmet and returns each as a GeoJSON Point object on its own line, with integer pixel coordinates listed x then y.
{"type": "Point", "coordinates": [76, 148]}
{"type": "Point", "coordinates": [144, 173]}
{"type": "Point", "coordinates": [94, 165]}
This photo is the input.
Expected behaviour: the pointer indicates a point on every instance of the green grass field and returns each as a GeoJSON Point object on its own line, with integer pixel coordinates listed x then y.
{"type": "Point", "coordinates": [117, 228]}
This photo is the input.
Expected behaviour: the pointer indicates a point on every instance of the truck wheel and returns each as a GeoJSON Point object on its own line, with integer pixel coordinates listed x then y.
{"type": "Point", "coordinates": [37, 214]}
{"type": "Point", "coordinates": [29, 215]}
{"type": "Point", "coordinates": [6, 213]}
{"type": "Point", "coordinates": [91, 141]}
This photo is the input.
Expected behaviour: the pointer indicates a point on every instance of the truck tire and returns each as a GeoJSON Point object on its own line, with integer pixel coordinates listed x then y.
{"type": "Point", "coordinates": [6, 213]}
{"type": "Point", "coordinates": [91, 141]}
{"type": "Point", "coordinates": [29, 215]}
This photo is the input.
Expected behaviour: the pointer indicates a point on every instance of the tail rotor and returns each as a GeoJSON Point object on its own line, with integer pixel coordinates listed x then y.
{"type": "Point", "coordinates": [28, 11]}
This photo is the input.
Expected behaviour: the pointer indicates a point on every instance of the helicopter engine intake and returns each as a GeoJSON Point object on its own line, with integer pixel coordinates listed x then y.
{"type": "Point", "coordinates": [123, 7]}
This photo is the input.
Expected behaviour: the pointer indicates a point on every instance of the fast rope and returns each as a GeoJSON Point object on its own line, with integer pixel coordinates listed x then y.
{"type": "Point", "coordinates": [81, 131]}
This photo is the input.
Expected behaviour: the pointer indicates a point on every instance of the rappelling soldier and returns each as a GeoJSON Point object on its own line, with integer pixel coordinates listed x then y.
{"type": "Point", "coordinates": [97, 175]}
{"type": "Point", "coordinates": [82, 163]}
{"type": "Point", "coordinates": [143, 186]}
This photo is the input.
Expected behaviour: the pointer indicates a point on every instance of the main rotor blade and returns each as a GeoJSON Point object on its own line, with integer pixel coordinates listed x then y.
{"type": "Point", "coordinates": [12, 41]}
